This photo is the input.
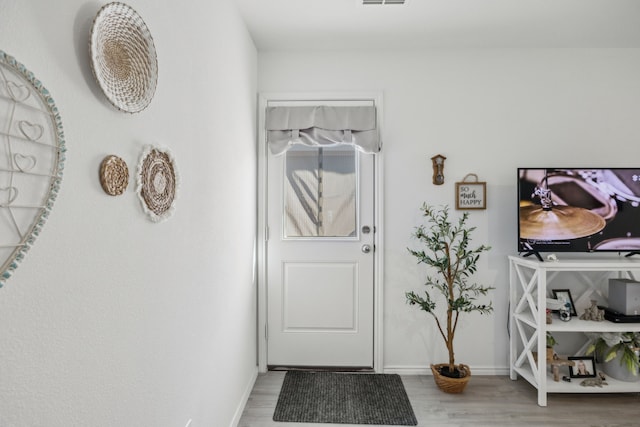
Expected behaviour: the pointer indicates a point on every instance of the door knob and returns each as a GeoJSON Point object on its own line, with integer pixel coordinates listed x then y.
{"type": "Point", "coordinates": [366, 249]}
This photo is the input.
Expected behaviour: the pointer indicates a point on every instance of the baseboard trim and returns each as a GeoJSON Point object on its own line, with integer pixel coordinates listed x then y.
{"type": "Point", "coordinates": [426, 370]}
{"type": "Point", "coordinates": [245, 398]}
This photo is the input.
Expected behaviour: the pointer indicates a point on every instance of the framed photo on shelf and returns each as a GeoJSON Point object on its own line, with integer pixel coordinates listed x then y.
{"type": "Point", "coordinates": [565, 295]}
{"type": "Point", "coordinates": [584, 367]}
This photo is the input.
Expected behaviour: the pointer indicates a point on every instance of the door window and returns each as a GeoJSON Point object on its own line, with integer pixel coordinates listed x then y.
{"type": "Point", "coordinates": [320, 192]}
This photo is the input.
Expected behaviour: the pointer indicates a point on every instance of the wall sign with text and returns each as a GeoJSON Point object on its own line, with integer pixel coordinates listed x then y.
{"type": "Point", "coordinates": [471, 194]}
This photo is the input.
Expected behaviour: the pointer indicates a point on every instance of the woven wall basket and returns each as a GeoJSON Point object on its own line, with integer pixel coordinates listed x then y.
{"type": "Point", "coordinates": [114, 175]}
{"type": "Point", "coordinates": [447, 384]}
{"type": "Point", "coordinates": [157, 183]}
{"type": "Point", "coordinates": [123, 57]}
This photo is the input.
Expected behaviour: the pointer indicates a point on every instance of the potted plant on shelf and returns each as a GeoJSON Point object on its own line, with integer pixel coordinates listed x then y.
{"type": "Point", "coordinates": [447, 253]}
{"type": "Point", "coordinates": [551, 341]}
{"type": "Point", "coordinates": [618, 353]}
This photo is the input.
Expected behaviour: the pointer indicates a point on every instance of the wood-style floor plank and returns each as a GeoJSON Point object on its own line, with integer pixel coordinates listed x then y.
{"type": "Point", "coordinates": [488, 401]}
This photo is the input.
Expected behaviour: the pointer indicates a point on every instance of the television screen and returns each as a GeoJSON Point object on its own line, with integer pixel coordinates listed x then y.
{"type": "Point", "coordinates": [578, 210]}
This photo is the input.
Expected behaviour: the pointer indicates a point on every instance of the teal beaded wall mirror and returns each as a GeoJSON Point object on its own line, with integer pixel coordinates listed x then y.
{"type": "Point", "coordinates": [32, 151]}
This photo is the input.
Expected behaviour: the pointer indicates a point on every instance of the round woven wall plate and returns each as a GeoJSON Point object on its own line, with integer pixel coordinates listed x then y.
{"type": "Point", "coordinates": [114, 175]}
{"type": "Point", "coordinates": [157, 183]}
{"type": "Point", "coordinates": [123, 57]}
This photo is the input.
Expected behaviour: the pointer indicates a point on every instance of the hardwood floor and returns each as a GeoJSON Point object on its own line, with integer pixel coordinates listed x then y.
{"type": "Point", "coordinates": [493, 401]}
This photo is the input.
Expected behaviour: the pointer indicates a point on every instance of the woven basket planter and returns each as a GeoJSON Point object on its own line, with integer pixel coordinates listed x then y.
{"type": "Point", "coordinates": [450, 385]}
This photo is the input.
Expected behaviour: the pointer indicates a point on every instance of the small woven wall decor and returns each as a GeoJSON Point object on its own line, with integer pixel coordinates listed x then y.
{"type": "Point", "coordinates": [114, 175]}
{"type": "Point", "coordinates": [157, 183]}
{"type": "Point", "coordinates": [123, 57]}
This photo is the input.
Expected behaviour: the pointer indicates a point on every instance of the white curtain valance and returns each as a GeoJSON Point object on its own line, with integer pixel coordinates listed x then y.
{"type": "Point", "coordinates": [322, 126]}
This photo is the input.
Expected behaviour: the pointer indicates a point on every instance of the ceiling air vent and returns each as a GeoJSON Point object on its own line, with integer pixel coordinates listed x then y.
{"type": "Point", "coordinates": [367, 2]}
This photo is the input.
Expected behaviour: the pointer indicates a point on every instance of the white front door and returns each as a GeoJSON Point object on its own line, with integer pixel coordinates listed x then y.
{"type": "Point", "coordinates": [320, 258]}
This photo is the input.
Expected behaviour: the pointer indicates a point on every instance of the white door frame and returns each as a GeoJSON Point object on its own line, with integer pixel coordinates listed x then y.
{"type": "Point", "coordinates": [263, 100]}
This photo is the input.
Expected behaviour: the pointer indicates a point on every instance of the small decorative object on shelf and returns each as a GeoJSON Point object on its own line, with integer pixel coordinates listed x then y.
{"type": "Point", "coordinates": [123, 57]}
{"type": "Point", "coordinates": [555, 364]}
{"type": "Point", "coordinates": [114, 175]}
{"type": "Point", "coordinates": [157, 183]}
{"type": "Point", "coordinates": [565, 312]}
{"type": "Point", "coordinates": [599, 381]}
{"type": "Point", "coordinates": [470, 193]}
{"type": "Point", "coordinates": [32, 155]}
{"type": "Point", "coordinates": [593, 312]}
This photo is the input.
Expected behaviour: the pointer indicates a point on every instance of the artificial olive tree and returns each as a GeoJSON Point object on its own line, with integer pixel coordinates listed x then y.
{"type": "Point", "coordinates": [446, 251]}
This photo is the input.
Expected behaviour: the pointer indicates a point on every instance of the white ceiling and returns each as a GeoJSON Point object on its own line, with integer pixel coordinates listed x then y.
{"type": "Point", "coordinates": [347, 24]}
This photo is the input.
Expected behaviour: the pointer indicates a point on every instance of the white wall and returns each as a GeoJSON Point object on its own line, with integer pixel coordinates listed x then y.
{"type": "Point", "coordinates": [487, 111]}
{"type": "Point", "coordinates": [113, 320]}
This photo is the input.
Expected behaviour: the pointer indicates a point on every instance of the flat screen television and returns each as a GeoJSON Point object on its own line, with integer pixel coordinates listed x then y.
{"type": "Point", "coordinates": [578, 210]}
